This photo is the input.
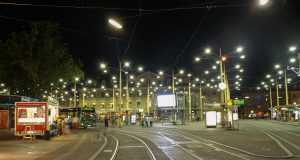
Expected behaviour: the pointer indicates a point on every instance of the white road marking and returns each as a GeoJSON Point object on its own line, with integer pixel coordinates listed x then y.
{"type": "Point", "coordinates": [100, 149]}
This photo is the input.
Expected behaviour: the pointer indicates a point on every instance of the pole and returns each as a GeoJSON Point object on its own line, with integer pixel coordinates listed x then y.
{"type": "Point", "coordinates": [286, 89]}
{"type": "Point", "coordinates": [190, 101]}
{"type": "Point", "coordinates": [201, 104]}
{"type": "Point", "coordinates": [120, 97]}
{"type": "Point", "coordinates": [173, 92]}
{"type": "Point", "coordinates": [271, 103]}
{"type": "Point", "coordinates": [286, 94]}
{"type": "Point", "coordinates": [148, 98]}
{"type": "Point", "coordinates": [222, 92]}
{"type": "Point", "coordinates": [113, 98]}
{"type": "Point", "coordinates": [82, 97]}
{"type": "Point", "coordinates": [74, 93]}
{"type": "Point", "coordinates": [277, 96]}
{"type": "Point", "coordinates": [127, 93]}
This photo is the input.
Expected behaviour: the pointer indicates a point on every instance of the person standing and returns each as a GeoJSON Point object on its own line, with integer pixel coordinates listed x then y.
{"type": "Point", "coordinates": [106, 122]}
{"type": "Point", "coordinates": [151, 121]}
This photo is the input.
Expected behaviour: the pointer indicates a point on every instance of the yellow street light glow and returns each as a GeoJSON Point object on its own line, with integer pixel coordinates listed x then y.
{"type": "Point", "coordinates": [197, 59]}
{"type": "Point", "coordinates": [84, 89]}
{"type": "Point", "coordinates": [127, 64]}
{"type": "Point", "coordinates": [268, 76]}
{"type": "Point", "coordinates": [89, 81]}
{"type": "Point", "coordinates": [214, 67]}
{"type": "Point", "coordinates": [217, 62]}
{"type": "Point", "coordinates": [223, 58]}
{"type": "Point", "coordinates": [241, 70]}
{"type": "Point", "coordinates": [197, 79]}
{"type": "Point", "coordinates": [160, 72]}
{"type": "Point", "coordinates": [292, 60]}
{"type": "Point", "coordinates": [258, 88]}
{"type": "Point", "coordinates": [180, 80]}
{"type": "Point", "coordinates": [102, 66]}
{"type": "Point", "coordinates": [242, 56]}
{"type": "Point", "coordinates": [142, 80]}
{"type": "Point", "coordinates": [105, 71]}
{"type": "Point", "coordinates": [237, 66]}
{"type": "Point", "coordinates": [189, 75]}
{"type": "Point", "coordinates": [131, 77]}
{"type": "Point", "coordinates": [140, 69]}
{"type": "Point", "coordinates": [114, 77]}
{"type": "Point", "coordinates": [292, 48]}
{"type": "Point", "coordinates": [115, 23]}
{"type": "Point", "coordinates": [181, 72]}
{"type": "Point", "coordinates": [206, 72]}
{"type": "Point", "coordinates": [61, 80]}
{"type": "Point", "coordinates": [263, 2]}
{"type": "Point", "coordinates": [153, 83]}
{"type": "Point", "coordinates": [239, 49]}
{"type": "Point", "coordinates": [207, 50]}
{"type": "Point", "coordinates": [280, 72]}
{"type": "Point", "coordinates": [76, 79]}
{"type": "Point", "coordinates": [277, 66]}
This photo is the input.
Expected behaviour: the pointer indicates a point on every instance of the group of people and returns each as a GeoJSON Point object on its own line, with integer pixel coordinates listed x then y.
{"type": "Point", "coordinates": [65, 125]}
{"type": "Point", "coordinates": [147, 121]}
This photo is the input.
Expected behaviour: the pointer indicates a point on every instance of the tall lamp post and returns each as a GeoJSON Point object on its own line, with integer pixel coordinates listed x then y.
{"type": "Point", "coordinates": [75, 81]}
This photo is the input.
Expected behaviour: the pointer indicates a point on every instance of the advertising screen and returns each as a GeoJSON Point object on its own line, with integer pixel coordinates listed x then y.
{"type": "Point", "coordinates": [166, 100]}
{"type": "Point", "coordinates": [211, 118]}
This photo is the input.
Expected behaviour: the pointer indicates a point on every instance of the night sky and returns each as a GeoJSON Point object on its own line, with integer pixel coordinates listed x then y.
{"type": "Point", "coordinates": [159, 37]}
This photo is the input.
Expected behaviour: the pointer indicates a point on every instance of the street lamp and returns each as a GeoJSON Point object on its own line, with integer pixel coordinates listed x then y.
{"type": "Point", "coordinates": [76, 79]}
{"type": "Point", "coordinates": [114, 23]}
{"type": "Point", "coordinates": [263, 2]}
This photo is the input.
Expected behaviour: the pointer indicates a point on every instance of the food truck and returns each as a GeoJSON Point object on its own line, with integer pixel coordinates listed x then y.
{"type": "Point", "coordinates": [39, 117]}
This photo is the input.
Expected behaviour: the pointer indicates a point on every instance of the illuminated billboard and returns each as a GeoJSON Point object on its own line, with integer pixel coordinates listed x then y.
{"type": "Point", "coordinates": [166, 100]}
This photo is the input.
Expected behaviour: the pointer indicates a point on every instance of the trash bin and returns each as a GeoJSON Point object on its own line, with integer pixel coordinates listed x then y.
{"type": "Point", "coordinates": [47, 135]}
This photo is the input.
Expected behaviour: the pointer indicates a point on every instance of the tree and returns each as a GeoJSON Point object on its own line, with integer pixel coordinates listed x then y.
{"type": "Point", "coordinates": [33, 59]}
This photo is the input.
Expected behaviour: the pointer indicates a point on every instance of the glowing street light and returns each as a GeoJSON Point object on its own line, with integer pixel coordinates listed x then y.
{"type": "Point", "coordinates": [160, 72]}
{"type": "Point", "coordinates": [292, 60]}
{"type": "Point", "coordinates": [223, 58]}
{"type": "Point", "coordinates": [197, 59]}
{"type": "Point", "coordinates": [181, 72]}
{"type": "Point", "coordinates": [239, 49]}
{"type": "Point", "coordinates": [127, 64]}
{"type": "Point", "coordinates": [292, 48]}
{"type": "Point", "coordinates": [207, 50]}
{"type": "Point", "coordinates": [115, 23]}
{"type": "Point", "coordinates": [102, 65]}
{"type": "Point", "coordinates": [277, 66]}
{"type": "Point", "coordinates": [89, 81]}
{"type": "Point", "coordinates": [140, 69]}
{"type": "Point", "coordinates": [263, 2]}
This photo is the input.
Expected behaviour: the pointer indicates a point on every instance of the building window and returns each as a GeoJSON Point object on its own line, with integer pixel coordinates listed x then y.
{"type": "Point", "coordinates": [138, 104]}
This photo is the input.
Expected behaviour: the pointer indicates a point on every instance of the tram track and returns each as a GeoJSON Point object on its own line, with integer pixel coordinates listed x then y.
{"type": "Point", "coordinates": [123, 146]}
{"type": "Point", "coordinates": [167, 135]}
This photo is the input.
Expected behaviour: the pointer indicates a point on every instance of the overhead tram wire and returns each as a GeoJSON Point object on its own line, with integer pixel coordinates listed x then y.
{"type": "Point", "coordinates": [131, 36]}
{"type": "Point", "coordinates": [98, 36]}
{"type": "Point", "coordinates": [160, 11]}
{"type": "Point", "coordinates": [123, 9]}
{"type": "Point", "coordinates": [193, 35]}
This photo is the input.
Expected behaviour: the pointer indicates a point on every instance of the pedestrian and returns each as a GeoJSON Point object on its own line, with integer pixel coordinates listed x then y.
{"type": "Point", "coordinates": [106, 122]}
{"type": "Point", "coordinates": [265, 116]}
{"type": "Point", "coordinates": [142, 120]}
{"type": "Point", "coordinates": [151, 121]}
{"type": "Point", "coordinates": [75, 124]}
{"type": "Point", "coordinates": [147, 121]}
{"type": "Point", "coordinates": [59, 126]}
{"type": "Point", "coordinates": [256, 116]}
{"type": "Point", "coordinates": [66, 126]}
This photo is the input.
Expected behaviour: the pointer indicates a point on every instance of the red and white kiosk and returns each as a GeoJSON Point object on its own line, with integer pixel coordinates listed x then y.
{"type": "Point", "coordinates": [31, 118]}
